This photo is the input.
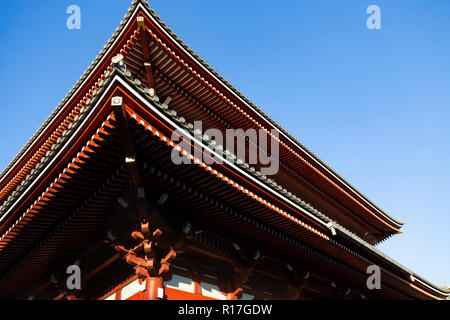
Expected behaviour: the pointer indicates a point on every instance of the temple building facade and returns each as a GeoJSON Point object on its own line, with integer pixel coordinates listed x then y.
{"type": "Point", "coordinates": [97, 190]}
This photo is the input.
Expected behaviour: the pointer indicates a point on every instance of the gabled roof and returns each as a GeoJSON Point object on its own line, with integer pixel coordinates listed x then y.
{"type": "Point", "coordinates": [356, 251]}
{"type": "Point", "coordinates": [321, 163]}
{"type": "Point", "coordinates": [86, 93]}
{"type": "Point", "coordinates": [142, 5]}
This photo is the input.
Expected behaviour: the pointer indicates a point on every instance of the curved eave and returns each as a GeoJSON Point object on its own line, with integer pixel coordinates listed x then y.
{"type": "Point", "coordinates": [213, 75]}
{"type": "Point", "coordinates": [103, 60]}
{"type": "Point", "coordinates": [87, 80]}
{"type": "Point", "coordinates": [402, 273]}
{"type": "Point", "coordinates": [368, 251]}
{"type": "Point", "coordinates": [428, 291]}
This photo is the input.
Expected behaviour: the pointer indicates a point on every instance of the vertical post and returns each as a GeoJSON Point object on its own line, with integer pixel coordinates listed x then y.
{"type": "Point", "coordinates": [197, 287]}
{"type": "Point", "coordinates": [154, 289]}
{"type": "Point", "coordinates": [232, 296]}
{"type": "Point", "coordinates": [119, 294]}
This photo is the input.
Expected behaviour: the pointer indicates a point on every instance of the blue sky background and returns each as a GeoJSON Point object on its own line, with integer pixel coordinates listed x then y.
{"type": "Point", "coordinates": [374, 105]}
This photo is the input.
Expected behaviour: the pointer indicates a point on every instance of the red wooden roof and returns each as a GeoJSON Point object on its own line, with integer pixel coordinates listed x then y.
{"type": "Point", "coordinates": [67, 141]}
{"type": "Point", "coordinates": [181, 74]}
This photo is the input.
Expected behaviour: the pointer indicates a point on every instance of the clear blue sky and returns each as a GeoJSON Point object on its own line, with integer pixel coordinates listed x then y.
{"type": "Point", "coordinates": [374, 105]}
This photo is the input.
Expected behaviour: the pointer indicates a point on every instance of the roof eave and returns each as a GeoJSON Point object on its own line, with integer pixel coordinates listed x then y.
{"type": "Point", "coordinates": [397, 224]}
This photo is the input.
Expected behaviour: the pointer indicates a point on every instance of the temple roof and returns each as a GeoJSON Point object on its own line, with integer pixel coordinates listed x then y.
{"type": "Point", "coordinates": [100, 75]}
{"type": "Point", "coordinates": [335, 178]}
{"type": "Point", "coordinates": [115, 76]}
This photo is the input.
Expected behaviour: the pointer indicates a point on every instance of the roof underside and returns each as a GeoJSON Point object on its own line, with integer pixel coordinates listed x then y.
{"type": "Point", "coordinates": [175, 78]}
{"type": "Point", "coordinates": [64, 219]}
{"type": "Point", "coordinates": [218, 105]}
{"type": "Point", "coordinates": [61, 207]}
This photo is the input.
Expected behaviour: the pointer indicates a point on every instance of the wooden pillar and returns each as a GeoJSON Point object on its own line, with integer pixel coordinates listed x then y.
{"type": "Point", "coordinates": [235, 295]}
{"type": "Point", "coordinates": [231, 296]}
{"type": "Point", "coordinates": [119, 294]}
{"type": "Point", "coordinates": [153, 288]}
{"type": "Point", "coordinates": [197, 286]}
